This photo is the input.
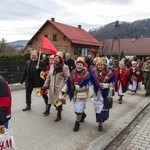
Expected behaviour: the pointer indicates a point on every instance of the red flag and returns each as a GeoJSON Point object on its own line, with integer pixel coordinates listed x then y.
{"type": "Point", "coordinates": [47, 45]}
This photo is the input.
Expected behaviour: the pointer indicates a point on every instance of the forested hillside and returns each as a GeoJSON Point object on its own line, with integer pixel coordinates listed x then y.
{"type": "Point", "coordinates": [139, 28]}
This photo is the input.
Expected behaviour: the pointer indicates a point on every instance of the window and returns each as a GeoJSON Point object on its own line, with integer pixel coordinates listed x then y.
{"type": "Point", "coordinates": [64, 38]}
{"type": "Point", "coordinates": [75, 50]}
{"type": "Point", "coordinates": [46, 35]}
{"type": "Point", "coordinates": [54, 37]}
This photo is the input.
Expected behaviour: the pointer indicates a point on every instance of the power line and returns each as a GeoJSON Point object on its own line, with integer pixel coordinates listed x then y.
{"type": "Point", "coordinates": [34, 7]}
{"type": "Point", "coordinates": [54, 3]}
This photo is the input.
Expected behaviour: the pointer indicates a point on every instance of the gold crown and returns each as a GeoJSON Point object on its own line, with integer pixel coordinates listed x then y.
{"type": "Point", "coordinates": [102, 61]}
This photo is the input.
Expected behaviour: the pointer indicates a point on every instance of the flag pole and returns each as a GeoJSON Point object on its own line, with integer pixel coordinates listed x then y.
{"type": "Point", "coordinates": [39, 59]}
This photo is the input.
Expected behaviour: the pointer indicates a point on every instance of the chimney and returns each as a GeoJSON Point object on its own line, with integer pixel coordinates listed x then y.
{"type": "Point", "coordinates": [52, 19]}
{"type": "Point", "coordinates": [79, 26]}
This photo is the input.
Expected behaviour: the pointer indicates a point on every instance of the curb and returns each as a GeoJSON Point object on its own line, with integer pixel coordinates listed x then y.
{"type": "Point", "coordinates": [16, 87]}
{"type": "Point", "coordinates": [102, 142]}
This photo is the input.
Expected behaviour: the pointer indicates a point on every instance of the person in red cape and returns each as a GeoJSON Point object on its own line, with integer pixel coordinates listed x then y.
{"type": "Point", "coordinates": [5, 103]}
{"type": "Point", "coordinates": [134, 73]}
{"type": "Point", "coordinates": [122, 76]}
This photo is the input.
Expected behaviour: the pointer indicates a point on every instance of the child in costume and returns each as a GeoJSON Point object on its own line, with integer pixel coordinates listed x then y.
{"type": "Point", "coordinates": [122, 76]}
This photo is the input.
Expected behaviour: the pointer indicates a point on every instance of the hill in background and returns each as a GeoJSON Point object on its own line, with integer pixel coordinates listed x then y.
{"type": "Point", "coordinates": [139, 28]}
{"type": "Point", "coordinates": [19, 44]}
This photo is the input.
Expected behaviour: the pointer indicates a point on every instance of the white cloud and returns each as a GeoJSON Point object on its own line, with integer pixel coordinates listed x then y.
{"type": "Point", "coordinates": [20, 19]}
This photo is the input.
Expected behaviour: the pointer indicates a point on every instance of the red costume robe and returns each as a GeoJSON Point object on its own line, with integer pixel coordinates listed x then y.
{"type": "Point", "coordinates": [122, 77]}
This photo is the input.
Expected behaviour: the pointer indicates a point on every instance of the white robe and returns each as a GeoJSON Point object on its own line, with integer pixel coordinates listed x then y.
{"type": "Point", "coordinates": [98, 103]}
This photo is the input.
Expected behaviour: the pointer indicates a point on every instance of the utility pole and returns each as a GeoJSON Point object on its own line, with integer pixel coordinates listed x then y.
{"type": "Point", "coordinates": [116, 37]}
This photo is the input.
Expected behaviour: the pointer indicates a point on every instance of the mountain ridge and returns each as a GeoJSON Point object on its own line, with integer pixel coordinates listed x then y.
{"type": "Point", "coordinates": [139, 28]}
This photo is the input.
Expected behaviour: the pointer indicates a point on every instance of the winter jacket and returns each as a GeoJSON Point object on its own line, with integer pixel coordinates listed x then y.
{"type": "Point", "coordinates": [5, 101]}
{"type": "Point", "coordinates": [26, 76]}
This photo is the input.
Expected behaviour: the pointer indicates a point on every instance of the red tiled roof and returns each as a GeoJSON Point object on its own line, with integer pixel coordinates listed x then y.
{"type": "Point", "coordinates": [76, 35]}
{"type": "Point", "coordinates": [140, 46]}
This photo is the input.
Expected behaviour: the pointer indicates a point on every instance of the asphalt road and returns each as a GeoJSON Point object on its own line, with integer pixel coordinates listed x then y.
{"type": "Point", "coordinates": [33, 131]}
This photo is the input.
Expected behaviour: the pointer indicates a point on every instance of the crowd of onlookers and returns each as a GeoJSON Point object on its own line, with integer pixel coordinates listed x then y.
{"type": "Point", "coordinates": [56, 76]}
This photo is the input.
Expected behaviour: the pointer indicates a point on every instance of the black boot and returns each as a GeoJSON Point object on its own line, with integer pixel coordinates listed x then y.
{"type": "Point", "coordinates": [45, 97]}
{"type": "Point", "coordinates": [28, 107]}
{"type": "Point", "coordinates": [59, 109]}
{"type": "Point", "coordinates": [47, 111]}
{"type": "Point", "coordinates": [100, 127]}
{"type": "Point", "coordinates": [120, 100]}
{"type": "Point", "coordinates": [83, 117]}
{"type": "Point", "coordinates": [76, 127]}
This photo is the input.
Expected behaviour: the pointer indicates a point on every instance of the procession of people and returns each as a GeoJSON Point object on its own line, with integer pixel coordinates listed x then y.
{"type": "Point", "coordinates": [65, 76]}
{"type": "Point", "coordinates": [58, 77]}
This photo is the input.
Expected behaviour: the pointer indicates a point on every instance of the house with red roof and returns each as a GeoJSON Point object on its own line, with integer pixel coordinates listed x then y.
{"type": "Point", "coordinates": [138, 46]}
{"type": "Point", "coordinates": [66, 38]}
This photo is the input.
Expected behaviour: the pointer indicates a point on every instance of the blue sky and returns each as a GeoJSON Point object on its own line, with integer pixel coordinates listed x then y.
{"type": "Point", "coordinates": [20, 19]}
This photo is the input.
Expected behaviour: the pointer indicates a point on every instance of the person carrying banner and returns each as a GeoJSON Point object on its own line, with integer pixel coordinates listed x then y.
{"type": "Point", "coordinates": [32, 79]}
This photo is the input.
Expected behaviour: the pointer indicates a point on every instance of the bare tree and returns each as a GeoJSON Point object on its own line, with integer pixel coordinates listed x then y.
{"type": "Point", "coordinates": [5, 47]}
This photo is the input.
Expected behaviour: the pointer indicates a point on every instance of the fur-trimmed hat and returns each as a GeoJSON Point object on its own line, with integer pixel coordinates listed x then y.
{"type": "Point", "coordinates": [96, 59]}
{"type": "Point", "coordinates": [80, 60]}
{"type": "Point", "coordinates": [60, 54]}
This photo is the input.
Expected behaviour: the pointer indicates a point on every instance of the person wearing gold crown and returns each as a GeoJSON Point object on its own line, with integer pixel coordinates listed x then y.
{"type": "Point", "coordinates": [122, 76]}
{"type": "Point", "coordinates": [58, 74]}
{"type": "Point", "coordinates": [105, 79]}
{"type": "Point", "coordinates": [32, 79]}
{"type": "Point", "coordinates": [77, 87]}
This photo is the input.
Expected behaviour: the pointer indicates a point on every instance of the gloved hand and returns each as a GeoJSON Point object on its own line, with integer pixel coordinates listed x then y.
{"type": "Point", "coordinates": [44, 88]}
{"type": "Point", "coordinates": [77, 87]}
